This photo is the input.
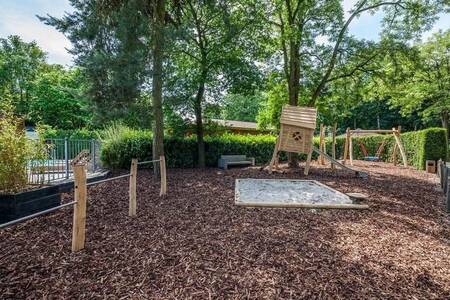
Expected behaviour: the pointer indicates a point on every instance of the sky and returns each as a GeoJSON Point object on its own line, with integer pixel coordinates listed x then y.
{"type": "Point", "coordinates": [18, 17]}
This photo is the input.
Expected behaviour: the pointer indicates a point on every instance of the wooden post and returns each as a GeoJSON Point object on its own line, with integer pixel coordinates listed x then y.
{"type": "Point", "coordinates": [308, 162]}
{"type": "Point", "coordinates": [133, 176]}
{"type": "Point", "coordinates": [400, 146]}
{"type": "Point", "coordinates": [274, 160]}
{"type": "Point", "coordinates": [350, 148]}
{"type": "Point", "coordinates": [347, 138]}
{"type": "Point", "coordinates": [321, 144]}
{"type": "Point", "coordinates": [162, 165]}
{"type": "Point", "coordinates": [79, 210]}
{"type": "Point", "coordinates": [333, 146]}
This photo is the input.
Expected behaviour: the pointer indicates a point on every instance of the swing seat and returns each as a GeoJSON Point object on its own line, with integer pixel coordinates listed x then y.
{"type": "Point", "coordinates": [372, 158]}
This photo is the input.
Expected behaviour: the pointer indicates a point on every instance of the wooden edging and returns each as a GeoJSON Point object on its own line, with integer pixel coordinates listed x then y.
{"type": "Point", "coordinates": [303, 205]}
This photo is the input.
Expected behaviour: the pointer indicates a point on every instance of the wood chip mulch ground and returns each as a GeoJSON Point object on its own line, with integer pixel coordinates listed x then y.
{"type": "Point", "coordinates": [195, 243]}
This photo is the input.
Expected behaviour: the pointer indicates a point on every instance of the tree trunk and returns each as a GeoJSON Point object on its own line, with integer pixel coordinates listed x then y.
{"type": "Point", "coordinates": [444, 120]}
{"type": "Point", "coordinates": [293, 88]}
{"type": "Point", "coordinates": [199, 124]}
{"type": "Point", "coordinates": [158, 56]}
{"type": "Point", "coordinates": [294, 73]}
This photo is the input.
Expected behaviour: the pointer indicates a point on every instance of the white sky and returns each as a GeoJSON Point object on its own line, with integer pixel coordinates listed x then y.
{"type": "Point", "coordinates": [18, 17]}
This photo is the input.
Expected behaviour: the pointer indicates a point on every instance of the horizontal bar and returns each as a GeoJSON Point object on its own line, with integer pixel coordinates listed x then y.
{"type": "Point", "coordinates": [373, 131]}
{"type": "Point", "coordinates": [35, 215]}
{"type": "Point", "coordinates": [108, 179]}
{"type": "Point", "coordinates": [148, 162]}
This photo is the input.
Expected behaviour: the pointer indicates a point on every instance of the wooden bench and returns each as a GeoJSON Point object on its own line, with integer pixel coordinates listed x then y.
{"type": "Point", "coordinates": [234, 160]}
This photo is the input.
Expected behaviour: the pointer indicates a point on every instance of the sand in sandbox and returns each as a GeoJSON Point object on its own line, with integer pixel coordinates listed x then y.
{"type": "Point", "coordinates": [272, 191]}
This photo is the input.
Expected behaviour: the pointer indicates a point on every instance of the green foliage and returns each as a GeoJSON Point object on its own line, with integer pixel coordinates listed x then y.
{"type": "Point", "coordinates": [20, 63]}
{"type": "Point", "coordinates": [270, 112]}
{"type": "Point", "coordinates": [240, 107]}
{"type": "Point", "coordinates": [181, 152]}
{"type": "Point", "coordinates": [58, 100]}
{"type": "Point", "coordinates": [112, 49]}
{"type": "Point", "coordinates": [15, 152]}
{"type": "Point", "coordinates": [46, 132]}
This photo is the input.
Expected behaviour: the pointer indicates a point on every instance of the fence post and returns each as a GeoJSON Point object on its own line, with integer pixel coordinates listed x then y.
{"type": "Point", "coordinates": [133, 175]}
{"type": "Point", "coordinates": [162, 166]}
{"type": "Point", "coordinates": [66, 156]}
{"type": "Point", "coordinates": [79, 210]}
{"type": "Point", "coordinates": [94, 161]}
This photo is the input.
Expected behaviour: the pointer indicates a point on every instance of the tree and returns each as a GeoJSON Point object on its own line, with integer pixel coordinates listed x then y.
{"type": "Point", "coordinates": [419, 82]}
{"type": "Point", "coordinates": [58, 100]}
{"type": "Point", "coordinates": [112, 41]}
{"type": "Point", "coordinates": [299, 24]}
{"type": "Point", "coordinates": [111, 50]}
{"type": "Point", "coordinates": [241, 107]}
{"type": "Point", "coordinates": [20, 63]}
{"type": "Point", "coordinates": [205, 50]}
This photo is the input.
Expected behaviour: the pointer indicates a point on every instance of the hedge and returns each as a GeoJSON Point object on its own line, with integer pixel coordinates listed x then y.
{"type": "Point", "coordinates": [73, 134]}
{"type": "Point", "coordinates": [181, 152]}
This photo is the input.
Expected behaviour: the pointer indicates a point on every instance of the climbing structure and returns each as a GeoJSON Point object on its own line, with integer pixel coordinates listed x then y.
{"type": "Point", "coordinates": [296, 133]}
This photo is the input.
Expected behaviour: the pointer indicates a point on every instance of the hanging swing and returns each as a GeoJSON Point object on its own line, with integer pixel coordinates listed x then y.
{"type": "Point", "coordinates": [377, 156]}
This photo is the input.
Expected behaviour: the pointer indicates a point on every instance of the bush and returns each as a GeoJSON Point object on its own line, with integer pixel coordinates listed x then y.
{"type": "Point", "coordinates": [73, 134]}
{"type": "Point", "coordinates": [182, 152]}
{"type": "Point", "coordinates": [15, 153]}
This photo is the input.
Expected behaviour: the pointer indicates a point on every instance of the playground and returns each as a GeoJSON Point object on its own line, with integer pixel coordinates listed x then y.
{"type": "Point", "coordinates": [195, 242]}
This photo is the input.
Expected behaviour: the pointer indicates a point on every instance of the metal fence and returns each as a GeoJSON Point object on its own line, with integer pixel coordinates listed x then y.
{"type": "Point", "coordinates": [443, 172]}
{"type": "Point", "coordinates": [60, 153]}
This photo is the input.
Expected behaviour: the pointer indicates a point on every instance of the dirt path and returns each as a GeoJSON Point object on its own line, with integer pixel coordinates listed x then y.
{"type": "Point", "coordinates": [195, 243]}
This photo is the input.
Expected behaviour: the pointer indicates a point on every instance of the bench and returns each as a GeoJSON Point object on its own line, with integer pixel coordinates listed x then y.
{"type": "Point", "coordinates": [234, 160]}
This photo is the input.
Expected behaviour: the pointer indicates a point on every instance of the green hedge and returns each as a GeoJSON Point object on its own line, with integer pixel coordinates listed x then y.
{"type": "Point", "coordinates": [73, 134]}
{"type": "Point", "coordinates": [181, 152]}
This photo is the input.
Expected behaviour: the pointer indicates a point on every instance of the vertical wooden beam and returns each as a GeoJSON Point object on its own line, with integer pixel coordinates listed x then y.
{"type": "Point", "coordinates": [308, 162]}
{"type": "Point", "coordinates": [133, 177]}
{"type": "Point", "coordinates": [350, 149]}
{"type": "Point", "coordinates": [79, 210]}
{"type": "Point", "coordinates": [274, 160]}
{"type": "Point", "coordinates": [400, 146]}
{"type": "Point", "coordinates": [347, 138]}
{"type": "Point", "coordinates": [162, 165]}
{"type": "Point", "coordinates": [321, 144]}
{"type": "Point", "coordinates": [333, 145]}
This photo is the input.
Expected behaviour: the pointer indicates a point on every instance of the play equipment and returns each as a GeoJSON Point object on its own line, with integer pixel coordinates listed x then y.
{"type": "Point", "coordinates": [348, 147]}
{"type": "Point", "coordinates": [296, 135]}
{"type": "Point", "coordinates": [377, 156]}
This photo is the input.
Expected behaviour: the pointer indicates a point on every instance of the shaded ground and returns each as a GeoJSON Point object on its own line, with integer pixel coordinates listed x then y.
{"type": "Point", "coordinates": [195, 243]}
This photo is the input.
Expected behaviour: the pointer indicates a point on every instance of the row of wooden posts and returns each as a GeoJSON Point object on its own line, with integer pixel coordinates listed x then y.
{"type": "Point", "coordinates": [443, 173]}
{"type": "Point", "coordinates": [80, 196]}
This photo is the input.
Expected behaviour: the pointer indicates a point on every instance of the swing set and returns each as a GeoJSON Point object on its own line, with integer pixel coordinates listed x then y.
{"type": "Point", "coordinates": [348, 147]}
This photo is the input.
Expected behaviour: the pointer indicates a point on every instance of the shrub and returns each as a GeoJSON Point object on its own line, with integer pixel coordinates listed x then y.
{"type": "Point", "coordinates": [47, 132]}
{"type": "Point", "coordinates": [182, 152]}
{"type": "Point", "coordinates": [15, 153]}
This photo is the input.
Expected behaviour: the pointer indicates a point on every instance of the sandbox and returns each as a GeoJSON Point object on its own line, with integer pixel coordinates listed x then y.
{"type": "Point", "coordinates": [288, 193]}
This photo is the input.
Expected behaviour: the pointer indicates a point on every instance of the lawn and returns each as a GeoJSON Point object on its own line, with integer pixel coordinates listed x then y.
{"type": "Point", "coordinates": [195, 243]}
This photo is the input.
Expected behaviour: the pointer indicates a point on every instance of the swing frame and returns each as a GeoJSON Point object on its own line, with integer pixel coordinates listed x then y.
{"type": "Point", "coordinates": [348, 147]}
